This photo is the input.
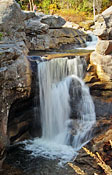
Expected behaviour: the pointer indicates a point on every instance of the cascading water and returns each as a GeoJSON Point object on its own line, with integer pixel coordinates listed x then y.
{"type": "Point", "coordinates": [90, 45]}
{"type": "Point", "coordinates": [62, 136]}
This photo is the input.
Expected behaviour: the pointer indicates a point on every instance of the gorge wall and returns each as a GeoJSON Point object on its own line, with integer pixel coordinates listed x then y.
{"type": "Point", "coordinates": [15, 74]}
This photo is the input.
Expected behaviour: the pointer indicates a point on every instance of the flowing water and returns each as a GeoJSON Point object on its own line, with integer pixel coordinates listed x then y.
{"type": "Point", "coordinates": [90, 45]}
{"type": "Point", "coordinates": [62, 136]}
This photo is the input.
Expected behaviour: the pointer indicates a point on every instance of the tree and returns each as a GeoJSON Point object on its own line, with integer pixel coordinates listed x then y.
{"type": "Point", "coordinates": [31, 2]}
{"type": "Point", "coordinates": [97, 5]}
{"type": "Point", "coordinates": [94, 9]}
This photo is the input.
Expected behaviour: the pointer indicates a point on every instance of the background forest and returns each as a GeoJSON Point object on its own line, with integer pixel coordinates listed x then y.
{"type": "Point", "coordinates": [71, 10]}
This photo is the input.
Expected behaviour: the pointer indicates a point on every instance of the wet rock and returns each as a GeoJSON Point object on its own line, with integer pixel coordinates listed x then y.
{"type": "Point", "coordinates": [103, 107]}
{"type": "Point", "coordinates": [23, 120]}
{"type": "Point", "coordinates": [75, 98]}
{"type": "Point", "coordinates": [10, 170]}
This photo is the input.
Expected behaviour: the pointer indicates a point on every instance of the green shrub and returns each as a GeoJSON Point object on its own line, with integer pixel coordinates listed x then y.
{"type": "Point", "coordinates": [45, 5]}
{"type": "Point", "coordinates": [1, 35]}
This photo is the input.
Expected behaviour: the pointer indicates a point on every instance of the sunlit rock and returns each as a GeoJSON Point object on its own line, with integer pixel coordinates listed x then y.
{"type": "Point", "coordinates": [104, 47]}
{"type": "Point", "coordinates": [103, 25]}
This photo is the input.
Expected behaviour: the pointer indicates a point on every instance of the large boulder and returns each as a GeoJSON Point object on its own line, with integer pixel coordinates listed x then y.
{"type": "Point", "coordinates": [53, 21]}
{"type": "Point", "coordinates": [11, 16]}
{"type": "Point", "coordinates": [11, 21]}
{"type": "Point", "coordinates": [103, 25]}
{"type": "Point", "coordinates": [103, 66]}
{"type": "Point", "coordinates": [104, 47]}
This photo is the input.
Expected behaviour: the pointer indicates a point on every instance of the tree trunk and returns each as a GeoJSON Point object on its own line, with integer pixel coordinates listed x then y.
{"type": "Point", "coordinates": [30, 5]}
{"type": "Point", "coordinates": [94, 9]}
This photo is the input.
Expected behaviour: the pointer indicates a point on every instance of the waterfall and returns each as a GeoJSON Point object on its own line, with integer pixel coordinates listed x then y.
{"type": "Point", "coordinates": [61, 87]}
{"type": "Point", "coordinates": [55, 79]}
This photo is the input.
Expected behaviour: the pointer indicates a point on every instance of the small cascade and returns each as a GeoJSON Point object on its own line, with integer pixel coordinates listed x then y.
{"type": "Point", "coordinates": [91, 45]}
{"type": "Point", "coordinates": [63, 136]}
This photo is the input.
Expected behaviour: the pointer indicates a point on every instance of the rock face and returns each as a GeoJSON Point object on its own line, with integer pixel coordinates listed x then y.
{"type": "Point", "coordinates": [15, 83]}
{"type": "Point", "coordinates": [101, 58]}
{"type": "Point", "coordinates": [15, 74]}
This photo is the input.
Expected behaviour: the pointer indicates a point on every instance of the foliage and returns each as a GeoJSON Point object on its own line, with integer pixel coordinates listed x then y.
{"type": "Point", "coordinates": [106, 4]}
{"type": "Point", "coordinates": [74, 16]}
{"type": "Point", "coordinates": [53, 6]}
{"type": "Point", "coordinates": [86, 6]}
{"type": "Point", "coordinates": [45, 5]}
{"type": "Point", "coordinates": [1, 35]}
